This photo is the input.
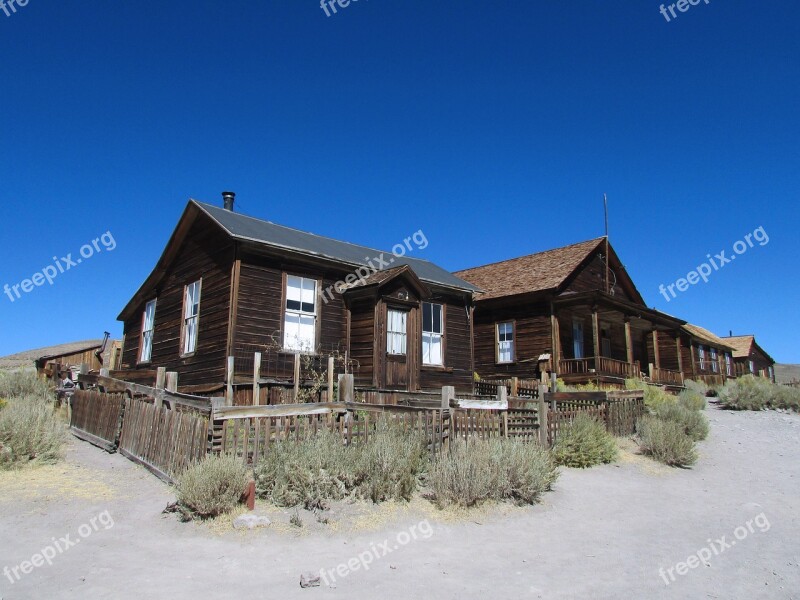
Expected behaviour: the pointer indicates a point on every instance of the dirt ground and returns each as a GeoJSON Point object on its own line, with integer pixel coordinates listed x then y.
{"type": "Point", "coordinates": [608, 532]}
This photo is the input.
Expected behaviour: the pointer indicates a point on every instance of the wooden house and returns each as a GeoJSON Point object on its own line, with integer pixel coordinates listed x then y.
{"type": "Point", "coordinates": [229, 285]}
{"type": "Point", "coordinates": [67, 359]}
{"type": "Point", "coordinates": [749, 358]}
{"type": "Point", "coordinates": [573, 310]}
{"type": "Point", "coordinates": [707, 357]}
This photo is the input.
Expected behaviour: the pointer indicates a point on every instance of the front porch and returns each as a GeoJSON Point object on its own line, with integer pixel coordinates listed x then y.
{"type": "Point", "coordinates": [603, 340]}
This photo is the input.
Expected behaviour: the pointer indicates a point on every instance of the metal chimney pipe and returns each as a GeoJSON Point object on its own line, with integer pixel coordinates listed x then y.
{"type": "Point", "coordinates": [227, 200]}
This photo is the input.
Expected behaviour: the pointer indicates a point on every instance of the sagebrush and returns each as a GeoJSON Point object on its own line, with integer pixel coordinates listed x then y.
{"type": "Point", "coordinates": [583, 443]}
{"type": "Point", "coordinates": [757, 393]}
{"type": "Point", "coordinates": [212, 486]}
{"type": "Point", "coordinates": [472, 472]}
{"type": "Point", "coordinates": [30, 432]}
{"type": "Point", "coordinates": [321, 468]}
{"type": "Point", "coordinates": [666, 441]}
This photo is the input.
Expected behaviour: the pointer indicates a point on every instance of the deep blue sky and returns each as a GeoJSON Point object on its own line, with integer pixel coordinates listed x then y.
{"type": "Point", "coordinates": [495, 127]}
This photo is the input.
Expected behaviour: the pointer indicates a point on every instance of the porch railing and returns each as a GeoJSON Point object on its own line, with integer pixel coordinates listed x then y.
{"type": "Point", "coordinates": [665, 376]}
{"type": "Point", "coordinates": [600, 366]}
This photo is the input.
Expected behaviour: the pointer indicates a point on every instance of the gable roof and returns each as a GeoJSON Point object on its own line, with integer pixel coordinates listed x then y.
{"type": "Point", "coordinates": [704, 335]}
{"type": "Point", "coordinates": [540, 272]}
{"type": "Point", "coordinates": [250, 229]}
{"type": "Point", "coordinates": [246, 228]}
{"type": "Point", "coordinates": [743, 344]}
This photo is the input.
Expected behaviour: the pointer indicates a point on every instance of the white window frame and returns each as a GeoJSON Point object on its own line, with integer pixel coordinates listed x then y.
{"type": "Point", "coordinates": [728, 364]}
{"type": "Point", "coordinates": [752, 365]}
{"type": "Point", "coordinates": [701, 352]}
{"type": "Point", "coordinates": [301, 314]}
{"type": "Point", "coordinates": [505, 346]}
{"type": "Point", "coordinates": [148, 330]}
{"type": "Point", "coordinates": [714, 360]}
{"type": "Point", "coordinates": [433, 339]}
{"type": "Point", "coordinates": [190, 327]}
{"type": "Point", "coordinates": [396, 332]}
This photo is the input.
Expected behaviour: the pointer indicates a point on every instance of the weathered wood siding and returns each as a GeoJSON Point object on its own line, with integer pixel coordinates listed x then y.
{"type": "Point", "coordinates": [532, 338]}
{"type": "Point", "coordinates": [457, 369]}
{"type": "Point", "coordinates": [208, 254]}
{"type": "Point", "coordinates": [592, 277]}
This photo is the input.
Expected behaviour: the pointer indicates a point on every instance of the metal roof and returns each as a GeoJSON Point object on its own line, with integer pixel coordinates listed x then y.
{"type": "Point", "coordinates": [247, 228]}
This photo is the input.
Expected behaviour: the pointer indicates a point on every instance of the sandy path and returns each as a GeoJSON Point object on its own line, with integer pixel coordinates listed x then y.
{"type": "Point", "coordinates": [603, 533]}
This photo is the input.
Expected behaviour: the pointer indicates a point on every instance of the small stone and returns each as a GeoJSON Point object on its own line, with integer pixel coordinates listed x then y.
{"type": "Point", "coordinates": [250, 522]}
{"type": "Point", "coordinates": [308, 580]}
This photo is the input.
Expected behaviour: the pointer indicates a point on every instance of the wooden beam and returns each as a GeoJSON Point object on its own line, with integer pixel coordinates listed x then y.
{"type": "Point", "coordinates": [229, 382]}
{"type": "Point", "coordinates": [296, 376]}
{"type": "Point", "coordinates": [256, 379]}
{"type": "Point", "coordinates": [556, 339]}
{"type": "Point", "coordinates": [679, 350]}
{"type": "Point", "coordinates": [596, 335]}
{"type": "Point", "coordinates": [331, 368]}
{"type": "Point", "coordinates": [628, 341]}
{"type": "Point", "coordinates": [656, 351]}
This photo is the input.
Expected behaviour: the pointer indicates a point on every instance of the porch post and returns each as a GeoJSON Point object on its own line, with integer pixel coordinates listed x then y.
{"type": "Point", "coordinates": [678, 348]}
{"type": "Point", "coordinates": [691, 353]}
{"type": "Point", "coordinates": [656, 352]}
{"type": "Point", "coordinates": [596, 337]}
{"type": "Point", "coordinates": [556, 335]}
{"type": "Point", "coordinates": [628, 341]}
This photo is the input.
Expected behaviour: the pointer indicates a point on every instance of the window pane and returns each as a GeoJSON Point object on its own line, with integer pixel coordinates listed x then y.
{"type": "Point", "coordinates": [431, 349]}
{"type": "Point", "coordinates": [309, 289]}
{"type": "Point", "coordinates": [294, 287]}
{"type": "Point", "coordinates": [437, 318]}
{"type": "Point", "coordinates": [427, 316]}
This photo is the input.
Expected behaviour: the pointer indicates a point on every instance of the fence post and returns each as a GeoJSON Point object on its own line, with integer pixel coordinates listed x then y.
{"type": "Point", "coordinates": [448, 394]}
{"type": "Point", "coordinates": [229, 381]}
{"type": "Point", "coordinates": [346, 388]}
{"type": "Point", "coordinates": [104, 372]}
{"type": "Point", "coordinates": [161, 375]}
{"type": "Point", "coordinates": [257, 379]}
{"type": "Point", "coordinates": [515, 387]}
{"type": "Point", "coordinates": [331, 367]}
{"type": "Point", "coordinates": [172, 381]}
{"type": "Point", "coordinates": [553, 381]}
{"type": "Point", "coordinates": [544, 424]}
{"type": "Point", "coordinates": [296, 376]}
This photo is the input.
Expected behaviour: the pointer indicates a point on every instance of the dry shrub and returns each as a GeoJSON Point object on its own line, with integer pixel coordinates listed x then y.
{"type": "Point", "coordinates": [757, 393]}
{"type": "Point", "coordinates": [666, 441]}
{"type": "Point", "coordinates": [320, 468]}
{"type": "Point", "coordinates": [30, 431]}
{"type": "Point", "coordinates": [583, 443]}
{"type": "Point", "coordinates": [19, 384]}
{"type": "Point", "coordinates": [693, 422]}
{"type": "Point", "coordinates": [212, 486]}
{"type": "Point", "coordinates": [470, 473]}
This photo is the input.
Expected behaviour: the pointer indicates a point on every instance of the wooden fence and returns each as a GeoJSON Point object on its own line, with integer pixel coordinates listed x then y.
{"type": "Point", "coordinates": [97, 417]}
{"type": "Point", "coordinates": [166, 431]}
{"type": "Point", "coordinates": [158, 428]}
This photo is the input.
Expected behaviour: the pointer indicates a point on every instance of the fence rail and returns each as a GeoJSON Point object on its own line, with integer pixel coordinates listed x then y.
{"type": "Point", "coordinates": [166, 431]}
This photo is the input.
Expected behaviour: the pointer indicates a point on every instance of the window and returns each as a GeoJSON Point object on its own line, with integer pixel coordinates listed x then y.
{"type": "Point", "coordinates": [714, 361]}
{"type": "Point", "coordinates": [432, 331]}
{"type": "Point", "coordinates": [300, 320]}
{"type": "Point", "coordinates": [728, 364]}
{"type": "Point", "coordinates": [752, 366]}
{"type": "Point", "coordinates": [771, 372]}
{"type": "Point", "coordinates": [577, 338]}
{"type": "Point", "coordinates": [396, 332]}
{"type": "Point", "coordinates": [702, 352]}
{"type": "Point", "coordinates": [505, 342]}
{"type": "Point", "coordinates": [148, 322]}
{"type": "Point", "coordinates": [191, 316]}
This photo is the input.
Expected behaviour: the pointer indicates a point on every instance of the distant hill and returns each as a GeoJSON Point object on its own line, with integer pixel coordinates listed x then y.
{"type": "Point", "coordinates": [22, 360]}
{"type": "Point", "coordinates": [787, 373]}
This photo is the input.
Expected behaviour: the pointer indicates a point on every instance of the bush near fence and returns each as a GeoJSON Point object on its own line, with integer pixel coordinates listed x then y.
{"type": "Point", "coordinates": [166, 431]}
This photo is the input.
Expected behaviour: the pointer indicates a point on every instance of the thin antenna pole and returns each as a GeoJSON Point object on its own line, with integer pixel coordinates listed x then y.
{"type": "Point", "coordinates": [605, 210]}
